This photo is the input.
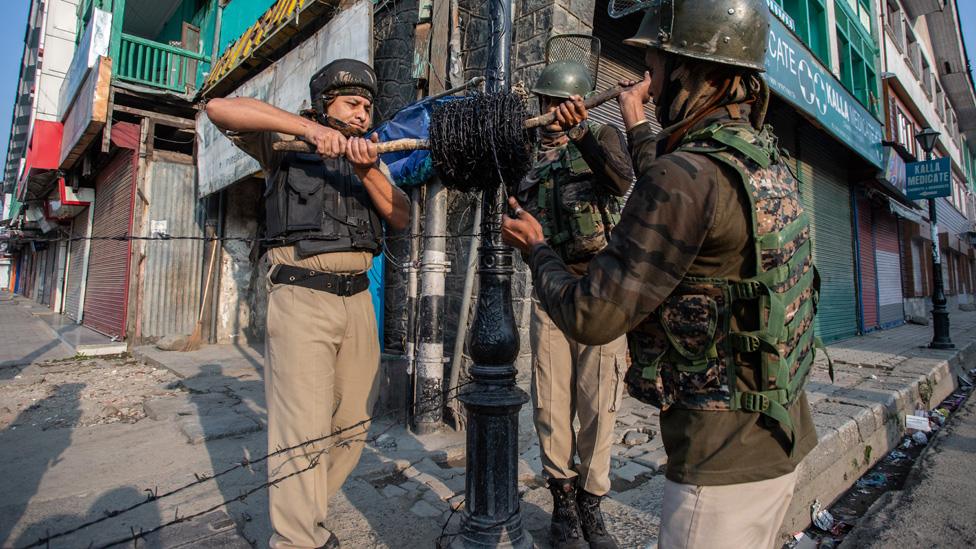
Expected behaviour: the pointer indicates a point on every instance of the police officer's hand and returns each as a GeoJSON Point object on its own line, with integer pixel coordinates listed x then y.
{"type": "Point", "coordinates": [638, 91]}
{"type": "Point", "coordinates": [328, 142]}
{"type": "Point", "coordinates": [362, 152]}
{"type": "Point", "coordinates": [571, 113]}
{"type": "Point", "coordinates": [521, 231]}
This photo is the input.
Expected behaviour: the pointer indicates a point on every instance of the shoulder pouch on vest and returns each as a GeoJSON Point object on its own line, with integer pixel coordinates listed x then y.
{"type": "Point", "coordinates": [294, 202]}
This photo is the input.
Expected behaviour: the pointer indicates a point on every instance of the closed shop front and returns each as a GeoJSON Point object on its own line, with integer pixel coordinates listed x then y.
{"type": "Point", "coordinates": [867, 265]}
{"type": "Point", "coordinates": [825, 194]}
{"type": "Point", "coordinates": [618, 62]}
{"type": "Point", "coordinates": [887, 258]}
{"type": "Point", "coordinates": [108, 268]}
{"type": "Point", "coordinates": [173, 269]}
{"type": "Point", "coordinates": [77, 264]}
{"type": "Point", "coordinates": [879, 265]}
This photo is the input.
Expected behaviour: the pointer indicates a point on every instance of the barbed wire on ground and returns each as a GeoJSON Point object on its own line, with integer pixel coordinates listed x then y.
{"type": "Point", "coordinates": [153, 495]}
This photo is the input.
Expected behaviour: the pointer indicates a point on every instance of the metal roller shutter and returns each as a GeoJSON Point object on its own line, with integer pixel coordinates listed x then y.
{"type": "Point", "coordinates": [617, 62]}
{"type": "Point", "coordinates": [172, 276]}
{"type": "Point", "coordinates": [80, 228]}
{"type": "Point", "coordinates": [891, 303]}
{"type": "Point", "coordinates": [108, 267]}
{"type": "Point", "coordinates": [825, 195]}
{"type": "Point", "coordinates": [868, 283]}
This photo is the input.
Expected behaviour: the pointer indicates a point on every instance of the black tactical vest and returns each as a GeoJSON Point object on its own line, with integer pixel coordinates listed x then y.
{"type": "Point", "coordinates": [320, 205]}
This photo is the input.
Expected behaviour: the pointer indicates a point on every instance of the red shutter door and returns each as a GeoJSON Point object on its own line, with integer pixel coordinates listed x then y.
{"type": "Point", "coordinates": [108, 268]}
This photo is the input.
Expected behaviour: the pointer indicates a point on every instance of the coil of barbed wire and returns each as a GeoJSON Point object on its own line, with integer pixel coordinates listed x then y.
{"type": "Point", "coordinates": [480, 142]}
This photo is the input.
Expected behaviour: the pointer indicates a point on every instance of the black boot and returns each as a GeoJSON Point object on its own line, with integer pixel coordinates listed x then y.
{"type": "Point", "coordinates": [331, 543]}
{"type": "Point", "coordinates": [565, 530]}
{"type": "Point", "coordinates": [591, 519]}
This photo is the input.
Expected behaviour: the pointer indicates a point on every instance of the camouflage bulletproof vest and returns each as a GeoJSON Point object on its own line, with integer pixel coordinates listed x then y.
{"type": "Point", "coordinates": [576, 217]}
{"type": "Point", "coordinates": [685, 355]}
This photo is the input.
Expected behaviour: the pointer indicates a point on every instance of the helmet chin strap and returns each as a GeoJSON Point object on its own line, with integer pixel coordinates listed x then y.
{"type": "Point", "coordinates": [345, 129]}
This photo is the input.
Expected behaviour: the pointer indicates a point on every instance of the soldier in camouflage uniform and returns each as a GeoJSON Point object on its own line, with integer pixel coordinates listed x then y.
{"type": "Point", "coordinates": [574, 189]}
{"type": "Point", "coordinates": [709, 272]}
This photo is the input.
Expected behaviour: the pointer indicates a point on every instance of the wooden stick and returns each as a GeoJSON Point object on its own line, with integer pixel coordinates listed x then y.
{"type": "Point", "coordinates": [590, 102]}
{"type": "Point", "coordinates": [397, 145]}
{"type": "Point", "coordinates": [400, 145]}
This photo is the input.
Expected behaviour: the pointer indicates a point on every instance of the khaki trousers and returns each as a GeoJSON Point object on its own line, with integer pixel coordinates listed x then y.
{"type": "Point", "coordinates": [320, 378]}
{"type": "Point", "coordinates": [734, 515]}
{"type": "Point", "coordinates": [571, 380]}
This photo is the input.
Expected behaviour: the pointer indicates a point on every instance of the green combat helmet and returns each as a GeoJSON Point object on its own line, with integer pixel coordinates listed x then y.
{"type": "Point", "coordinates": [732, 32]}
{"type": "Point", "coordinates": [563, 79]}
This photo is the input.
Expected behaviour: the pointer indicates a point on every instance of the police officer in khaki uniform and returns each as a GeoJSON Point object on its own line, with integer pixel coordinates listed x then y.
{"type": "Point", "coordinates": [323, 216]}
{"type": "Point", "coordinates": [573, 188]}
{"type": "Point", "coordinates": [710, 273]}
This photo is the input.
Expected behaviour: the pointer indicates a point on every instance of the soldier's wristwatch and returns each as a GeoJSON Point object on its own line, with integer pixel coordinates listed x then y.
{"type": "Point", "coordinates": [577, 132]}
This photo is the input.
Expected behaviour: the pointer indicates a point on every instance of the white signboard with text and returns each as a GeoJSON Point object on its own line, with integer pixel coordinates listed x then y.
{"type": "Point", "coordinates": [284, 84]}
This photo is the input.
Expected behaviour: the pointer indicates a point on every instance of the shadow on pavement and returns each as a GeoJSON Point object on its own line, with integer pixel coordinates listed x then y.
{"type": "Point", "coordinates": [65, 398]}
{"type": "Point", "coordinates": [117, 529]}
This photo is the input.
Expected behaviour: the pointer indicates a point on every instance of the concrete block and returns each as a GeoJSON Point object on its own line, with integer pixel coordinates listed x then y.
{"type": "Point", "coordinates": [435, 485]}
{"type": "Point", "coordinates": [160, 409]}
{"type": "Point", "coordinates": [424, 509]}
{"type": "Point", "coordinates": [393, 491]}
{"type": "Point", "coordinates": [630, 471]}
{"type": "Point", "coordinates": [198, 430]}
{"type": "Point", "coordinates": [655, 460]}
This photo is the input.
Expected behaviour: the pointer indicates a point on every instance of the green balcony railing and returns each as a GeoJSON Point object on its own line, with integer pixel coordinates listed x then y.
{"type": "Point", "coordinates": [157, 65]}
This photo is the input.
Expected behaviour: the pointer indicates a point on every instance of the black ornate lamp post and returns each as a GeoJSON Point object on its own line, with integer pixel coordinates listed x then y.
{"type": "Point", "coordinates": [940, 314]}
{"type": "Point", "coordinates": [492, 515]}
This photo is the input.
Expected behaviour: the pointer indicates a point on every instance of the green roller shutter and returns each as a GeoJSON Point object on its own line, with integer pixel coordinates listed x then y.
{"type": "Point", "coordinates": [825, 194]}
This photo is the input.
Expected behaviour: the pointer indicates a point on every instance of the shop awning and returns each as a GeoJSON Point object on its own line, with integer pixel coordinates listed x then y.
{"type": "Point", "coordinates": [901, 210]}
{"type": "Point", "coordinates": [43, 152]}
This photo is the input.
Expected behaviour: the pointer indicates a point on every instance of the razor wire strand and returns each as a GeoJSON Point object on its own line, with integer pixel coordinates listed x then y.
{"type": "Point", "coordinates": [244, 463]}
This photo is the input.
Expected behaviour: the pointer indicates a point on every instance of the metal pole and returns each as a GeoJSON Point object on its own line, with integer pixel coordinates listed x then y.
{"type": "Point", "coordinates": [410, 348]}
{"type": "Point", "coordinates": [492, 515]}
{"type": "Point", "coordinates": [429, 388]}
{"type": "Point", "coordinates": [457, 357]}
{"type": "Point", "coordinates": [940, 314]}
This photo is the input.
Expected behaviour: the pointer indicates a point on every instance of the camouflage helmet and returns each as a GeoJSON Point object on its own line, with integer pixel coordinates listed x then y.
{"type": "Point", "coordinates": [563, 79]}
{"type": "Point", "coordinates": [732, 32]}
{"type": "Point", "coordinates": [343, 77]}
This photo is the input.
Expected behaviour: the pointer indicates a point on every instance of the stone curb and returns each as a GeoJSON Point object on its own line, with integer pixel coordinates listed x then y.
{"type": "Point", "coordinates": [858, 425]}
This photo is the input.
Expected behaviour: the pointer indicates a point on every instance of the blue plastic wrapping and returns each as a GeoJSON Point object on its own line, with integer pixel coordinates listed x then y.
{"type": "Point", "coordinates": [410, 168]}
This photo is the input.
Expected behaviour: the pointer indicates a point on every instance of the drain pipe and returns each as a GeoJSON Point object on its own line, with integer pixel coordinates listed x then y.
{"type": "Point", "coordinates": [409, 347]}
{"type": "Point", "coordinates": [457, 357]}
{"type": "Point", "coordinates": [428, 391]}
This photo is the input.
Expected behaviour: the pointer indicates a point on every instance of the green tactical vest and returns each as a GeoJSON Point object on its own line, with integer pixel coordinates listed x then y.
{"type": "Point", "coordinates": [576, 217]}
{"type": "Point", "coordinates": [684, 355]}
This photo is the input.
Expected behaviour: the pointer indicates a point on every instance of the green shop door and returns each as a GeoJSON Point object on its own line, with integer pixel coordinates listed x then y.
{"type": "Point", "coordinates": [826, 197]}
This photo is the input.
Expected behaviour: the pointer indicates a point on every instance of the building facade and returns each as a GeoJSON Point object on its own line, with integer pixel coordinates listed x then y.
{"type": "Point", "coordinates": [926, 84]}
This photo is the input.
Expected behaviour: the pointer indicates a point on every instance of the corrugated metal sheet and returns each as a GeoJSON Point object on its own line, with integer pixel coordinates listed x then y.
{"type": "Point", "coordinates": [76, 265]}
{"type": "Point", "coordinates": [172, 276]}
{"type": "Point", "coordinates": [950, 219]}
{"type": "Point", "coordinates": [108, 268]}
{"type": "Point", "coordinates": [868, 283]}
{"type": "Point", "coordinates": [824, 193]}
{"type": "Point", "coordinates": [618, 62]}
{"type": "Point", "coordinates": [888, 259]}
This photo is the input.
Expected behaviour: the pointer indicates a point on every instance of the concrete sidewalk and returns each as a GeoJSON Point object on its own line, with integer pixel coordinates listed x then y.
{"type": "Point", "coordinates": [879, 378]}
{"type": "Point", "coordinates": [31, 333]}
{"type": "Point", "coordinates": [25, 339]}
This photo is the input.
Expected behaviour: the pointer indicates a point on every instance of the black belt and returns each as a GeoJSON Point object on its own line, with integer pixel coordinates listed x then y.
{"type": "Point", "coordinates": [339, 284]}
